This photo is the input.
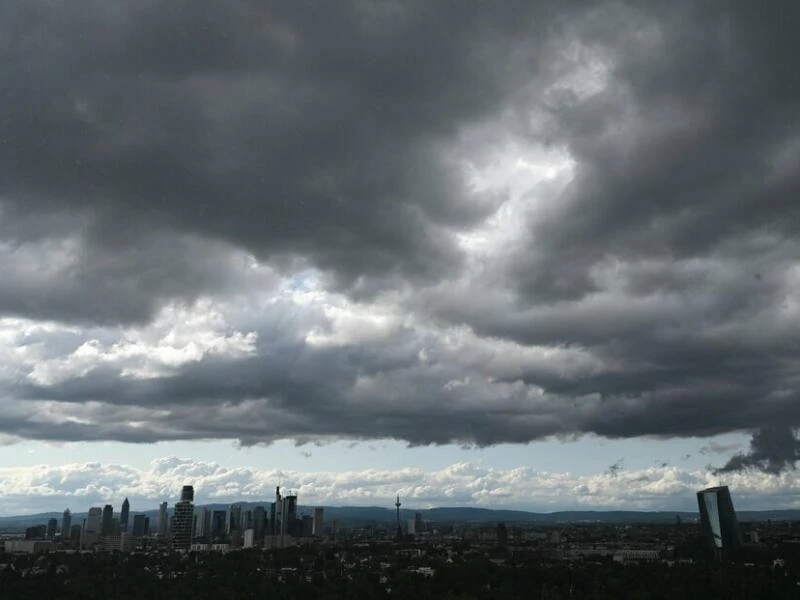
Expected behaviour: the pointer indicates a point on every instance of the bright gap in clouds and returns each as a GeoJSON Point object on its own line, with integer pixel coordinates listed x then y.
{"type": "Point", "coordinates": [585, 456]}
{"type": "Point", "coordinates": [521, 174]}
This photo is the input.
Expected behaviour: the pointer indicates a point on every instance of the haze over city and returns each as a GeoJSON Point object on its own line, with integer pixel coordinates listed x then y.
{"type": "Point", "coordinates": [535, 255]}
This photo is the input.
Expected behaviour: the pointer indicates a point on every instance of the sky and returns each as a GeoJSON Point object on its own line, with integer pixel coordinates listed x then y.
{"type": "Point", "coordinates": [536, 255]}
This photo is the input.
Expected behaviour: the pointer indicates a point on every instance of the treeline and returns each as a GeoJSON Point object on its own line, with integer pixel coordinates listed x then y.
{"type": "Point", "coordinates": [259, 575]}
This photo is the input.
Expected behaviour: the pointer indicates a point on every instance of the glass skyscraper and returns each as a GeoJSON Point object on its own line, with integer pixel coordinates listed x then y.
{"type": "Point", "coordinates": [718, 519]}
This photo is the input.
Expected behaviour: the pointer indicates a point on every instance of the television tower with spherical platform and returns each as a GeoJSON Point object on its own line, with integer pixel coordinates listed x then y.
{"type": "Point", "coordinates": [397, 506]}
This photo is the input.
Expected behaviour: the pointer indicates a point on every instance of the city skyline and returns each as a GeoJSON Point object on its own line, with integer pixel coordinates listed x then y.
{"type": "Point", "coordinates": [617, 489]}
{"type": "Point", "coordinates": [535, 255]}
{"type": "Point", "coordinates": [183, 528]}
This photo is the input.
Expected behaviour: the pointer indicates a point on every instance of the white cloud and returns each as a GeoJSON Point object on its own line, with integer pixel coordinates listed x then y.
{"type": "Point", "coordinates": [179, 335]}
{"type": "Point", "coordinates": [79, 486]}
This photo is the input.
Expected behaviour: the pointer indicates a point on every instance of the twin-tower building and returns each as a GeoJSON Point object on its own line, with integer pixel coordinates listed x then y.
{"type": "Point", "coordinates": [274, 525]}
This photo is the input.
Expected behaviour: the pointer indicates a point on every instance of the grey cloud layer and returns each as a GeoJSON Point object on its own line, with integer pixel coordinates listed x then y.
{"type": "Point", "coordinates": [152, 153]}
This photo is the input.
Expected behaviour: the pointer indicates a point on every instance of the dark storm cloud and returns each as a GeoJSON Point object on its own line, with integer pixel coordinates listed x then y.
{"type": "Point", "coordinates": [125, 281]}
{"type": "Point", "coordinates": [304, 129]}
{"type": "Point", "coordinates": [773, 448]}
{"type": "Point", "coordinates": [144, 145]}
{"type": "Point", "coordinates": [672, 252]}
{"type": "Point", "coordinates": [685, 149]}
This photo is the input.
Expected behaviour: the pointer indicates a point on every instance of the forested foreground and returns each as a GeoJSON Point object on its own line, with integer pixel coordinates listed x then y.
{"type": "Point", "coordinates": [255, 575]}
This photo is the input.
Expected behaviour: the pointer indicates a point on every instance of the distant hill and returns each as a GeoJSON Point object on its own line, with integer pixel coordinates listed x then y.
{"type": "Point", "coordinates": [359, 516]}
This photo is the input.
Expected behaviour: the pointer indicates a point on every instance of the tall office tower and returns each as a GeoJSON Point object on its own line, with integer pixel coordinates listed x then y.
{"type": "Point", "coordinates": [92, 527]}
{"type": "Point", "coordinates": [107, 527]}
{"type": "Point", "coordinates": [138, 525]}
{"type": "Point", "coordinates": [249, 538]}
{"type": "Point", "coordinates": [718, 519]}
{"type": "Point", "coordinates": [418, 525]}
{"type": "Point", "coordinates": [233, 520]}
{"type": "Point", "coordinates": [75, 535]}
{"type": "Point", "coordinates": [163, 519]}
{"type": "Point", "coordinates": [277, 508]}
{"type": "Point", "coordinates": [289, 515]}
{"type": "Point", "coordinates": [146, 525]}
{"type": "Point", "coordinates": [259, 522]}
{"type": "Point", "coordinates": [183, 519]}
{"type": "Point", "coordinates": [202, 527]}
{"type": "Point", "coordinates": [317, 529]}
{"type": "Point", "coordinates": [218, 520]}
{"type": "Point", "coordinates": [66, 523]}
{"type": "Point", "coordinates": [247, 520]}
{"type": "Point", "coordinates": [123, 515]}
{"type": "Point", "coordinates": [52, 526]}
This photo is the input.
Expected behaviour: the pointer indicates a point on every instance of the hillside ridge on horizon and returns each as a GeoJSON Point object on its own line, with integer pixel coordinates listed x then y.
{"type": "Point", "coordinates": [379, 514]}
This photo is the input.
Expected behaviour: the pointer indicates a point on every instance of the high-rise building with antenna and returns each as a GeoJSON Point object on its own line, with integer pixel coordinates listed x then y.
{"type": "Point", "coordinates": [163, 519]}
{"type": "Point", "coordinates": [123, 515]}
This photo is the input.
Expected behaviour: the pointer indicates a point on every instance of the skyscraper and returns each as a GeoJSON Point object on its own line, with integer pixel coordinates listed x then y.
{"type": "Point", "coordinates": [92, 527]}
{"type": "Point", "coordinates": [187, 493]}
{"type": "Point", "coordinates": [218, 519]}
{"type": "Point", "coordinates": [123, 515]}
{"type": "Point", "coordinates": [202, 526]}
{"type": "Point", "coordinates": [289, 515]}
{"type": "Point", "coordinates": [75, 535]}
{"type": "Point", "coordinates": [247, 520]}
{"type": "Point", "coordinates": [233, 521]}
{"type": "Point", "coordinates": [107, 526]}
{"type": "Point", "coordinates": [66, 523]}
{"type": "Point", "coordinates": [183, 521]}
{"type": "Point", "coordinates": [259, 522]}
{"type": "Point", "coordinates": [52, 526]}
{"type": "Point", "coordinates": [163, 519]}
{"type": "Point", "coordinates": [138, 525]}
{"type": "Point", "coordinates": [718, 519]}
{"type": "Point", "coordinates": [318, 521]}
{"type": "Point", "coordinates": [276, 511]}
{"type": "Point", "coordinates": [415, 524]}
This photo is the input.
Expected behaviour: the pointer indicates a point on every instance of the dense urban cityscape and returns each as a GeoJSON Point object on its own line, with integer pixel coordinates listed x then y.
{"type": "Point", "coordinates": [273, 548]}
{"type": "Point", "coordinates": [179, 529]}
